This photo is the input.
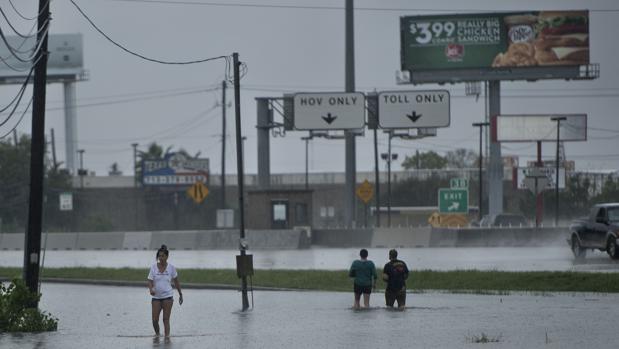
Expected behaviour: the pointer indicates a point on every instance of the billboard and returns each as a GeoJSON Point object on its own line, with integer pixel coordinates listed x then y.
{"type": "Point", "coordinates": [538, 128]}
{"type": "Point", "coordinates": [175, 169]}
{"type": "Point", "coordinates": [65, 60]}
{"type": "Point", "coordinates": [494, 40]}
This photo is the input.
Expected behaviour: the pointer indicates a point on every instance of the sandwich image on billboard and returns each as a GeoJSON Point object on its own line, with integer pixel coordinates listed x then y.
{"type": "Point", "coordinates": [495, 40]}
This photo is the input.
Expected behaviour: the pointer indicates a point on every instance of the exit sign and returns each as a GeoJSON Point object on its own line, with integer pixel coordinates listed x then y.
{"type": "Point", "coordinates": [453, 200]}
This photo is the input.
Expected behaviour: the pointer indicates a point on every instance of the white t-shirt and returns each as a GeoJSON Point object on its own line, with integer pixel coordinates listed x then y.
{"type": "Point", "coordinates": [162, 281]}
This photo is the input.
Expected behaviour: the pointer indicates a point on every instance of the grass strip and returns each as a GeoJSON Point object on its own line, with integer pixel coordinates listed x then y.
{"type": "Point", "coordinates": [474, 281]}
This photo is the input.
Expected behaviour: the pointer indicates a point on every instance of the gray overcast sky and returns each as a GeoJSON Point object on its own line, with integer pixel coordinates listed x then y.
{"type": "Point", "coordinates": [289, 46]}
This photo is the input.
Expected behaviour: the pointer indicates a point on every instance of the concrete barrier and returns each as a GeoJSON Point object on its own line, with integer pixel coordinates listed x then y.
{"type": "Point", "coordinates": [497, 237]}
{"type": "Point", "coordinates": [59, 241]}
{"type": "Point", "coordinates": [99, 241]}
{"type": "Point", "coordinates": [177, 240]}
{"type": "Point", "coordinates": [137, 240]}
{"type": "Point", "coordinates": [342, 237]}
{"type": "Point", "coordinates": [12, 241]}
{"type": "Point", "coordinates": [443, 237]}
{"type": "Point", "coordinates": [401, 237]}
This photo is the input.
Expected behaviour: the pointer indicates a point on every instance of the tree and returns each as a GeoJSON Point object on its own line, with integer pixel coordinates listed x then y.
{"type": "Point", "coordinates": [153, 152]}
{"type": "Point", "coordinates": [610, 191]}
{"type": "Point", "coordinates": [15, 182]}
{"type": "Point", "coordinates": [115, 170]}
{"type": "Point", "coordinates": [428, 160]}
{"type": "Point", "coordinates": [461, 158]}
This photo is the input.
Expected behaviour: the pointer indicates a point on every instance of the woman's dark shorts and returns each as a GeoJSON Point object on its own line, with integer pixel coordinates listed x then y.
{"type": "Point", "coordinates": [161, 300]}
{"type": "Point", "coordinates": [362, 289]}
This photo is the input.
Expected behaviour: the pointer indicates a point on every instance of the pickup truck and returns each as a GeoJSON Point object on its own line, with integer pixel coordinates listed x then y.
{"type": "Point", "coordinates": [599, 231]}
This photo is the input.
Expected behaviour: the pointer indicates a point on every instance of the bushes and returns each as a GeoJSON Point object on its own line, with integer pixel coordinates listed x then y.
{"type": "Point", "coordinates": [16, 316]}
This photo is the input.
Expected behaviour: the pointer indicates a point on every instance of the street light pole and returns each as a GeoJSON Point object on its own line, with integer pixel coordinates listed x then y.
{"type": "Point", "coordinates": [481, 161]}
{"type": "Point", "coordinates": [135, 164]}
{"type": "Point", "coordinates": [306, 139]}
{"type": "Point", "coordinates": [558, 119]}
{"type": "Point", "coordinates": [388, 157]}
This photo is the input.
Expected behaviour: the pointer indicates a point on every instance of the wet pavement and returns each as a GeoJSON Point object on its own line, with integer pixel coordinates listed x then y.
{"type": "Point", "coordinates": [119, 317]}
{"type": "Point", "coordinates": [555, 258]}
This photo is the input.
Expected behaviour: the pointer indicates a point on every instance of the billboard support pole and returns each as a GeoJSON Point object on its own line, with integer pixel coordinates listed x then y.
{"type": "Point", "coordinates": [495, 163]}
{"type": "Point", "coordinates": [558, 119]}
{"type": "Point", "coordinates": [539, 193]}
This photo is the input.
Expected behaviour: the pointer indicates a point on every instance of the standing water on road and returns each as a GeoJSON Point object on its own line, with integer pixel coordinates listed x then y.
{"type": "Point", "coordinates": [495, 258]}
{"type": "Point", "coordinates": [119, 317]}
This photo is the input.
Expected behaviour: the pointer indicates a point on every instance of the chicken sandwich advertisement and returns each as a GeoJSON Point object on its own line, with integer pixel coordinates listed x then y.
{"type": "Point", "coordinates": [499, 40]}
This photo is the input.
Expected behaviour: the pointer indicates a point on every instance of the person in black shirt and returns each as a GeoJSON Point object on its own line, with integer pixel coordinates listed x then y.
{"type": "Point", "coordinates": [395, 274]}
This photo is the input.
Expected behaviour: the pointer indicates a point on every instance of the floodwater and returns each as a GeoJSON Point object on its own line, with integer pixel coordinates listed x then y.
{"type": "Point", "coordinates": [555, 258]}
{"type": "Point", "coordinates": [119, 317]}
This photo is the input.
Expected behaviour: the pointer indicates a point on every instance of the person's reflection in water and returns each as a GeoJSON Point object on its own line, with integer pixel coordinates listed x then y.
{"type": "Point", "coordinates": [167, 341]}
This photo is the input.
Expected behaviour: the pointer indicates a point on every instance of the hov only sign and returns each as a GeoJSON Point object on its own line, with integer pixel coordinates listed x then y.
{"type": "Point", "coordinates": [329, 111]}
{"type": "Point", "coordinates": [453, 200]}
{"type": "Point", "coordinates": [413, 109]}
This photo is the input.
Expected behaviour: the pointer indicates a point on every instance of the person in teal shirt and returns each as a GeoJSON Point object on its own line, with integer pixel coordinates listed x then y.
{"type": "Point", "coordinates": [364, 273]}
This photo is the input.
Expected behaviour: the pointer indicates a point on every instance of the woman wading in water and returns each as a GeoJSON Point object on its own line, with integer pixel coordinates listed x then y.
{"type": "Point", "coordinates": [160, 279]}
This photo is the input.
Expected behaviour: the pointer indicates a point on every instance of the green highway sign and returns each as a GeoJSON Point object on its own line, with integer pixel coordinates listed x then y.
{"type": "Point", "coordinates": [453, 200]}
{"type": "Point", "coordinates": [458, 183]}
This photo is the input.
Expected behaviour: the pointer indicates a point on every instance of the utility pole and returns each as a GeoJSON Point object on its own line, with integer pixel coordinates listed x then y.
{"type": "Point", "coordinates": [55, 164]}
{"type": "Point", "coordinates": [32, 244]}
{"type": "Point", "coordinates": [351, 166]}
{"type": "Point", "coordinates": [135, 186]}
{"type": "Point", "coordinates": [558, 119]}
{"type": "Point", "coordinates": [223, 145]}
{"type": "Point", "coordinates": [376, 178]}
{"type": "Point", "coordinates": [81, 171]}
{"type": "Point", "coordinates": [481, 162]}
{"type": "Point", "coordinates": [240, 174]}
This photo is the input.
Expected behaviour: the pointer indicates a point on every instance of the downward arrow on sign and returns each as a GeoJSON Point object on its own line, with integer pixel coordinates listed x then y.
{"type": "Point", "coordinates": [414, 116]}
{"type": "Point", "coordinates": [329, 118]}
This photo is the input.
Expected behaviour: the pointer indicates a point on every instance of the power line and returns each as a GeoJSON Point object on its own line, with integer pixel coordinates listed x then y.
{"type": "Point", "coordinates": [15, 52]}
{"type": "Point", "coordinates": [21, 15]}
{"type": "Point", "coordinates": [18, 121]}
{"type": "Point", "coordinates": [226, 58]}
{"type": "Point", "coordinates": [17, 100]}
{"type": "Point", "coordinates": [310, 7]}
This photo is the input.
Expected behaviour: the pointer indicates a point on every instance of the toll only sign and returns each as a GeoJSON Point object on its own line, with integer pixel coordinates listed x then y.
{"type": "Point", "coordinates": [413, 109]}
{"type": "Point", "coordinates": [329, 111]}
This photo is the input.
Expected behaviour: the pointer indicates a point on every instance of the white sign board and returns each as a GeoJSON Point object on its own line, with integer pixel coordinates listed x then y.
{"type": "Point", "coordinates": [65, 55]}
{"type": "Point", "coordinates": [546, 177]}
{"type": "Point", "coordinates": [329, 111]}
{"type": "Point", "coordinates": [413, 109]}
{"type": "Point", "coordinates": [66, 201]}
{"type": "Point", "coordinates": [534, 128]}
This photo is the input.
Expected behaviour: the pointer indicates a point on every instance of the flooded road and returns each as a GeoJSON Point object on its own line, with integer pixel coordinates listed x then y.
{"type": "Point", "coordinates": [554, 258]}
{"type": "Point", "coordinates": [119, 317]}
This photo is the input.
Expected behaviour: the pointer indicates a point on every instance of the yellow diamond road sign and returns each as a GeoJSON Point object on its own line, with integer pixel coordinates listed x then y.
{"type": "Point", "coordinates": [365, 191]}
{"type": "Point", "coordinates": [198, 192]}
